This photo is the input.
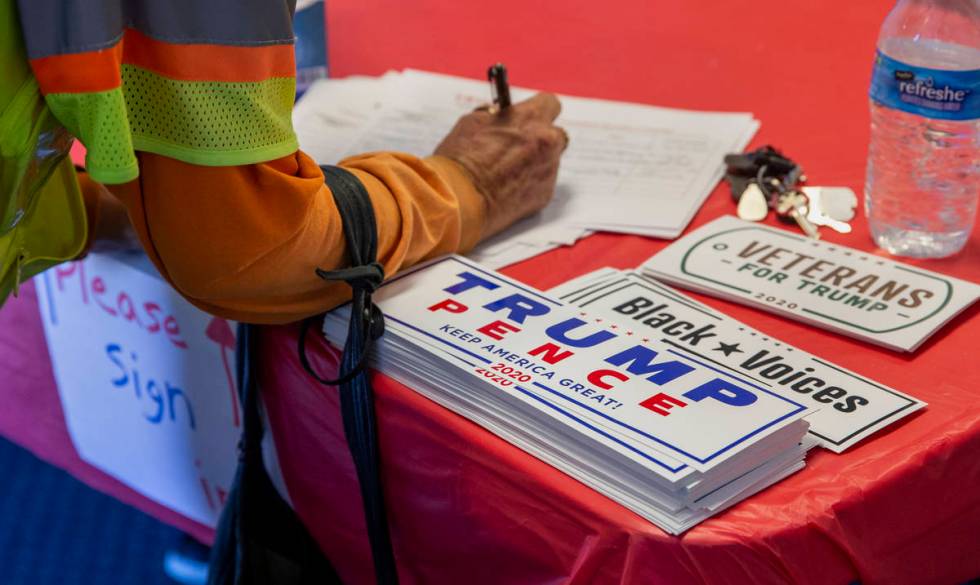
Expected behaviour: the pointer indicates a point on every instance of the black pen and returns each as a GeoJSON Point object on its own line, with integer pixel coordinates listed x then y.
{"type": "Point", "coordinates": [499, 89]}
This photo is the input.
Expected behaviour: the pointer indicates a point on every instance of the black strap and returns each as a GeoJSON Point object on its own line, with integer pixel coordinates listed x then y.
{"type": "Point", "coordinates": [259, 539]}
{"type": "Point", "coordinates": [366, 325]}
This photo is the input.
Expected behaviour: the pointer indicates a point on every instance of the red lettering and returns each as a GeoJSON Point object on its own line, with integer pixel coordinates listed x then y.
{"type": "Point", "coordinates": [596, 378]}
{"type": "Point", "coordinates": [173, 332]}
{"type": "Point", "coordinates": [63, 271]}
{"type": "Point", "coordinates": [449, 305]}
{"type": "Point", "coordinates": [127, 309]}
{"type": "Point", "coordinates": [219, 331]}
{"type": "Point", "coordinates": [552, 353]}
{"type": "Point", "coordinates": [661, 403]}
{"type": "Point", "coordinates": [151, 310]}
{"type": "Point", "coordinates": [99, 289]}
{"type": "Point", "coordinates": [125, 306]}
{"type": "Point", "coordinates": [207, 492]}
{"type": "Point", "coordinates": [82, 279]}
{"type": "Point", "coordinates": [497, 329]}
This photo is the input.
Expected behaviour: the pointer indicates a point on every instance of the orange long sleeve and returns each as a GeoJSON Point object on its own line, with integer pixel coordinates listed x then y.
{"type": "Point", "coordinates": [243, 242]}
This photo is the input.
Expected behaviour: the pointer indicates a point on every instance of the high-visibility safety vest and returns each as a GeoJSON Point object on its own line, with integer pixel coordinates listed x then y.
{"type": "Point", "coordinates": [42, 216]}
{"type": "Point", "coordinates": [208, 83]}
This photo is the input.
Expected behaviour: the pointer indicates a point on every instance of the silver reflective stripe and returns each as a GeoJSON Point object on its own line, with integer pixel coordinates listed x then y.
{"type": "Point", "coordinates": [57, 27]}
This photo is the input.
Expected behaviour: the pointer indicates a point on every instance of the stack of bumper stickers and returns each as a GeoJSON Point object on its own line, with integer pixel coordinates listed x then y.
{"type": "Point", "coordinates": [847, 406]}
{"type": "Point", "coordinates": [848, 291]}
{"type": "Point", "coordinates": [663, 430]}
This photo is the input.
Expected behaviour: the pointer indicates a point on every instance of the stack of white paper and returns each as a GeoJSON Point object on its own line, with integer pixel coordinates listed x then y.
{"type": "Point", "coordinates": [629, 168]}
{"type": "Point", "coordinates": [669, 435]}
{"type": "Point", "coordinates": [847, 406]}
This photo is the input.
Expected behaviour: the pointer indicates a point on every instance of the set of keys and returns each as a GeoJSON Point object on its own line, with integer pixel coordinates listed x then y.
{"type": "Point", "coordinates": [764, 180]}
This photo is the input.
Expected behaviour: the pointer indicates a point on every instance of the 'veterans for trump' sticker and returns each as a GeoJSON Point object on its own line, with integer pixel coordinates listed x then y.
{"type": "Point", "coordinates": [834, 287]}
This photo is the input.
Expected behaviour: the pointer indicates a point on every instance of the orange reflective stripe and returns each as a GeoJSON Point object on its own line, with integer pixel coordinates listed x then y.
{"type": "Point", "coordinates": [201, 62]}
{"type": "Point", "coordinates": [96, 71]}
{"type": "Point", "coordinates": [89, 72]}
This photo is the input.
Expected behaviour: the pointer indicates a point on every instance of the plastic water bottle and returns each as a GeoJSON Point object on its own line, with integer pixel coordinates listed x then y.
{"type": "Point", "coordinates": [923, 177]}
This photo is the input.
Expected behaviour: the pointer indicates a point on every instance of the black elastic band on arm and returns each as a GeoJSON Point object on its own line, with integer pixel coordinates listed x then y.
{"type": "Point", "coordinates": [364, 276]}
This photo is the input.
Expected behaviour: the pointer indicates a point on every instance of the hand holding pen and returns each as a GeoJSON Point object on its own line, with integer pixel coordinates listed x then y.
{"type": "Point", "coordinates": [511, 152]}
{"type": "Point", "coordinates": [499, 88]}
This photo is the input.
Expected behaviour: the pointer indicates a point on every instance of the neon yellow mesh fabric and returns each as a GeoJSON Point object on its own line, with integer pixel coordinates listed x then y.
{"type": "Point", "coordinates": [207, 122]}
{"type": "Point", "coordinates": [201, 122]}
{"type": "Point", "coordinates": [99, 120]}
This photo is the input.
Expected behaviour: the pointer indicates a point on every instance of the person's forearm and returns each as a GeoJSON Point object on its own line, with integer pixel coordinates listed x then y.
{"type": "Point", "coordinates": [243, 242]}
{"type": "Point", "coordinates": [425, 207]}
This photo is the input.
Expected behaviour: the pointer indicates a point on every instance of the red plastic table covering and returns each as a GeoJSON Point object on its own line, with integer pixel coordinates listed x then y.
{"type": "Point", "coordinates": [465, 506]}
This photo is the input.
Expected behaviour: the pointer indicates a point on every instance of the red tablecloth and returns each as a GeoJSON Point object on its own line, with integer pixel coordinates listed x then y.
{"type": "Point", "coordinates": [903, 507]}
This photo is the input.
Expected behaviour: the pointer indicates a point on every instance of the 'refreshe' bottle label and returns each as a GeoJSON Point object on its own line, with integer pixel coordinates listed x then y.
{"type": "Point", "coordinates": [933, 93]}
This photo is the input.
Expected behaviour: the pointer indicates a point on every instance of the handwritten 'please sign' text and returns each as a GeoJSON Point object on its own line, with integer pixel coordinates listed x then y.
{"type": "Point", "coordinates": [145, 381]}
{"type": "Point", "coordinates": [114, 299]}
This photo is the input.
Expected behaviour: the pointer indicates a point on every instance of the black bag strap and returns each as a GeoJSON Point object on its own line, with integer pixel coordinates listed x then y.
{"type": "Point", "coordinates": [364, 276]}
{"type": "Point", "coordinates": [259, 539]}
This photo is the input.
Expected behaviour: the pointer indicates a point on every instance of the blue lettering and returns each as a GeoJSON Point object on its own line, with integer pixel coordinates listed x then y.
{"type": "Point", "coordinates": [722, 391]}
{"type": "Point", "coordinates": [520, 307]}
{"type": "Point", "coordinates": [157, 402]}
{"type": "Point", "coordinates": [154, 394]}
{"type": "Point", "coordinates": [640, 360]}
{"type": "Point", "coordinates": [559, 332]}
{"type": "Point", "coordinates": [470, 280]}
{"type": "Point", "coordinates": [175, 392]}
{"type": "Point", "coordinates": [112, 350]}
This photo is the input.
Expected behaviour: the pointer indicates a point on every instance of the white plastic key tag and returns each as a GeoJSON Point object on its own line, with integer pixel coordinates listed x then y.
{"type": "Point", "coordinates": [752, 205]}
{"type": "Point", "coordinates": [837, 203]}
